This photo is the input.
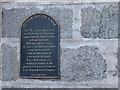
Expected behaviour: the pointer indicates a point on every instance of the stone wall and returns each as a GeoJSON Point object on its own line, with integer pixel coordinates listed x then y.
{"type": "Point", "coordinates": [0, 44]}
{"type": "Point", "coordinates": [88, 44]}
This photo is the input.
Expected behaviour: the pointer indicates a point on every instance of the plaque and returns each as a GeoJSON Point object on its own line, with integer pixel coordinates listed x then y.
{"type": "Point", "coordinates": [39, 47]}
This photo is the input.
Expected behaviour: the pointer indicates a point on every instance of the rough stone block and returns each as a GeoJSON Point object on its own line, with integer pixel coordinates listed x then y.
{"type": "Point", "coordinates": [13, 18]}
{"type": "Point", "coordinates": [0, 75]}
{"type": "Point", "coordinates": [118, 57]}
{"type": "Point", "coordinates": [0, 61]}
{"type": "Point", "coordinates": [65, 19]}
{"type": "Point", "coordinates": [109, 23]}
{"type": "Point", "coordinates": [91, 20]}
{"type": "Point", "coordinates": [82, 64]}
{"type": "Point", "coordinates": [100, 24]}
{"type": "Point", "coordinates": [10, 63]}
{"type": "Point", "coordinates": [0, 20]}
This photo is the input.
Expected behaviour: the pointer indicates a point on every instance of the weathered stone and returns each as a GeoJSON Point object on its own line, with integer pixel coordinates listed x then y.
{"type": "Point", "coordinates": [0, 20]}
{"type": "Point", "coordinates": [109, 23]}
{"type": "Point", "coordinates": [91, 20]}
{"type": "Point", "coordinates": [82, 64]}
{"type": "Point", "coordinates": [13, 18]}
{"type": "Point", "coordinates": [118, 57]}
{"type": "Point", "coordinates": [0, 65]}
{"type": "Point", "coordinates": [10, 63]}
{"type": "Point", "coordinates": [65, 19]}
{"type": "Point", "coordinates": [0, 75]}
{"type": "Point", "coordinates": [100, 24]}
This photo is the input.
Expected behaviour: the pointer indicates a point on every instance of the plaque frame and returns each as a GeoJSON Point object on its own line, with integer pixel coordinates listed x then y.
{"type": "Point", "coordinates": [38, 77]}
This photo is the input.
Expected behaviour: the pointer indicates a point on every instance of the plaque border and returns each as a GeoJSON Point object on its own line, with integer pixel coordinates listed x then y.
{"type": "Point", "coordinates": [27, 77]}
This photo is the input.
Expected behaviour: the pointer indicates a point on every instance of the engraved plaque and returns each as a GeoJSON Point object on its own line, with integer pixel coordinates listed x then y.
{"type": "Point", "coordinates": [39, 47]}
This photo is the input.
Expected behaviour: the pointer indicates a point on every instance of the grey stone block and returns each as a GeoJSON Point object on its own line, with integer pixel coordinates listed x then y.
{"type": "Point", "coordinates": [0, 60]}
{"type": "Point", "coordinates": [13, 18]}
{"type": "Point", "coordinates": [82, 64]}
{"type": "Point", "coordinates": [118, 57]}
{"type": "Point", "coordinates": [65, 19]}
{"type": "Point", "coordinates": [109, 23]}
{"type": "Point", "coordinates": [0, 75]}
{"type": "Point", "coordinates": [0, 20]}
{"type": "Point", "coordinates": [10, 63]}
{"type": "Point", "coordinates": [100, 24]}
{"type": "Point", "coordinates": [91, 20]}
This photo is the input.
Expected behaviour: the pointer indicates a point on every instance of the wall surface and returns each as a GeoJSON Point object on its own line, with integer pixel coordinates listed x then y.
{"type": "Point", "coordinates": [88, 44]}
{"type": "Point", "coordinates": [48, 1]}
{"type": "Point", "coordinates": [0, 45]}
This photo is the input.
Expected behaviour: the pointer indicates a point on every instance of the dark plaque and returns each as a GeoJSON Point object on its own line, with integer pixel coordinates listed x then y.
{"type": "Point", "coordinates": [39, 47]}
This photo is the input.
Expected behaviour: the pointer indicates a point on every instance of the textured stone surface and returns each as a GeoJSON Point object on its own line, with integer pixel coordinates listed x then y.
{"type": "Point", "coordinates": [61, 89]}
{"type": "Point", "coordinates": [0, 65]}
{"type": "Point", "coordinates": [100, 24]}
{"type": "Point", "coordinates": [13, 18]}
{"type": "Point", "coordinates": [118, 57]}
{"type": "Point", "coordinates": [10, 63]}
{"type": "Point", "coordinates": [65, 18]}
{"type": "Point", "coordinates": [91, 20]}
{"type": "Point", "coordinates": [0, 20]}
{"type": "Point", "coordinates": [109, 23]}
{"type": "Point", "coordinates": [82, 64]}
{"type": "Point", "coordinates": [0, 38]}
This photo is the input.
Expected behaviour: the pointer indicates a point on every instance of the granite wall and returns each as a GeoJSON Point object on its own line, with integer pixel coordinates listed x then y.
{"type": "Point", "coordinates": [88, 44]}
